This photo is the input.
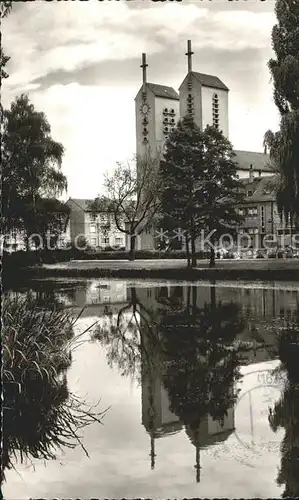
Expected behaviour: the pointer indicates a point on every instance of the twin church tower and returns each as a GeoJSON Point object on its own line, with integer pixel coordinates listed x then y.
{"type": "Point", "coordinates": [158, 108]}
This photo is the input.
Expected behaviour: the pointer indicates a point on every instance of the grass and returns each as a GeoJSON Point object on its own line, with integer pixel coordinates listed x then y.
{"type": "Point", "coordinates": [176, 273]}
{"type": "Point", "coordinates": [40, 414]}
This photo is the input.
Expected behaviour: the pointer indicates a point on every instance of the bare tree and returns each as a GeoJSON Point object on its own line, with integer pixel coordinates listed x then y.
{"type": "Point", "coordinates": [133, 197]}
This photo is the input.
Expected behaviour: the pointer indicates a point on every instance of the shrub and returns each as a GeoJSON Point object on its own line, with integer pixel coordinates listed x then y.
{"type": "Point", "coordinates": [39, 413]}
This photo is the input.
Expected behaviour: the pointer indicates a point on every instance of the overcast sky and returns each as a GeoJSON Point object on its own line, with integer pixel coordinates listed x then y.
{"type": "Point", "coordinates": [80, 64]}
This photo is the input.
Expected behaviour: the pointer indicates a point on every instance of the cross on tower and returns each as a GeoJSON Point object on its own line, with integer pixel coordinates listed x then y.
{"type": "Point", "coordinates": [189, 53]}
{"type": "Point", "coordinates": [144, 66]}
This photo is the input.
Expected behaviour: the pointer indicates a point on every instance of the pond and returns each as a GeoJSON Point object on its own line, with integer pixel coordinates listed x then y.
{"type": "Point", "coordinates": [200, 384]}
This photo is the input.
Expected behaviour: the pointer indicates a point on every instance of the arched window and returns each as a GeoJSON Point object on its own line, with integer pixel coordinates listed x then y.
{"type": "Point", "coordinates": [215, 109]}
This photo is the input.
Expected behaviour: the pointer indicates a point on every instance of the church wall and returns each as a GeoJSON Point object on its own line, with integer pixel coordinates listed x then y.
{"type": "Point", "coordinates": [141, 148]}
{"type": "Point", "coordinates": [196, 93]}
{"type": "Point", "coordinates": [147, 238]}
{"type": "Point", "coordinates": [207, 108]}
{"type": "Point", "coordinates": [160, 105]}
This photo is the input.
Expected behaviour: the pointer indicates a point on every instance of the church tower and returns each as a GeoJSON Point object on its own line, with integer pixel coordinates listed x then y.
{"type": "Point", "coordinates": [157, 112]}
{"type": "Point", "coordinates": [205, 97]}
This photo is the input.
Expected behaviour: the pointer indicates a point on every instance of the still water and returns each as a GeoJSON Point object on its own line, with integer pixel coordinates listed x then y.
{"type": "Point", "coordinates": [200, 384]}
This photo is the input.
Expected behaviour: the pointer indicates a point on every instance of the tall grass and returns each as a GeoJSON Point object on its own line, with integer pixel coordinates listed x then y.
{"type": "Point", "coordinates": [40, 415]}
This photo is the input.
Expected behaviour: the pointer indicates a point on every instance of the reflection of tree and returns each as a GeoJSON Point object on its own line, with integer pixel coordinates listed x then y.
{"type": "Point", "coordinates": [40, 415]}
{"type": "Point", "coordinates": [201, 364]}
{"type": "Point", "coordinates": [127, 336]}
{"type": "Point", "coordinates": [286, 411]}
{"type": "Point", "coordinates": [187, 348]}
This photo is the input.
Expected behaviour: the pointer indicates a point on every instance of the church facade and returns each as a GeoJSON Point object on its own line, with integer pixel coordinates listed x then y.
{"type": "Point", "coordinates": [158, 108]}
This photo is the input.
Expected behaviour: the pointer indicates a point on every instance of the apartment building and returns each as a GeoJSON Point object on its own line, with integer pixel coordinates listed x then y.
{"type": "Point", "coordinates": [98, 229]}
{"type": "Point", "coordinates": [261, 215]}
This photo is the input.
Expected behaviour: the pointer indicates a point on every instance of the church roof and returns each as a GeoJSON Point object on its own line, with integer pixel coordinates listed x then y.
{"type": "Point", "coordinates": [163, 91]}
{"type": "Point", "coordinates": [207, 80]}
{"type": "Point", "coordinates": [80, 203]}
{"type": "Point", "coordinates": [259, 161]}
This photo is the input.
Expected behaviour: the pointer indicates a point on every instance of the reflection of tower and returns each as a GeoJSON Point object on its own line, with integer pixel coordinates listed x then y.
{"type": "Point", "coordinates": [209, 432]}
{"type": "Point", "coordinates": [157, 417]}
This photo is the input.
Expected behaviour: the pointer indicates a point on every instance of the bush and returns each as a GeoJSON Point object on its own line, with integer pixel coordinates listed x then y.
{"type": "Point", "coordinates": [39, 412]}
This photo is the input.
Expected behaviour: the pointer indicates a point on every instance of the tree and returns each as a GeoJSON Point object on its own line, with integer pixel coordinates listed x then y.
{"type": "Point", "coordinates": [6, 7]}
{"type": "Point", "coordinates": [31, 167]}
{"type": "Point", "coordinates": [284, 145]}
{"type": "Point", "coordinates": [285, 412]}
{"type": "Point", "coordinates": [199, 183]}
{"type": "Point", "coordinates": [132, 197]}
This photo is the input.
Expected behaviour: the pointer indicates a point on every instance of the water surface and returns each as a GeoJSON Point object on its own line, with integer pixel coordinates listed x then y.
{"type": "Point", "coordinates": [195, 377]}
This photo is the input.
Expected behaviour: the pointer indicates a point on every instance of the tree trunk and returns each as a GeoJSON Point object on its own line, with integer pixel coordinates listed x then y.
{"type": "Point", "coordinates": [212, 254]}
{"type": "Point", "coordinates": [212, 258]}
{"type": "Point", "coordinates": [194, 301]}
{"type": "Point", "coordinates": [213, 295]}
{"type": "Point", "coordinates": [193, 251]}
{"type": "Point", "coordinates": [132, 246]}
{"type": "Point", "coordinates": [187, 251]}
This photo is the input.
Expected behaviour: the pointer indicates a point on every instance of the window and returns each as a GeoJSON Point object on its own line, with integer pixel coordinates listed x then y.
{"type": "Point", "coordinates": [118, 241]}
{"type": "Point", "coordinates": [93, 242]}
{"type": "Point", "coordinates": [252, 211]}
{"type": "Point", "coordinates": [263, 217]}
{"type": "Point", "coordinates": [93, 217]}
{"type": "Point", "coordinates": [92, 228]}
{"type": "Point", "coordinates": [249, 192]}
{"type": "Point", "coordinates": [215, 108]}
{"type": "Point", "coordinates": [105, 241]}
{"type": "Point", "coordinates": [241, 211]}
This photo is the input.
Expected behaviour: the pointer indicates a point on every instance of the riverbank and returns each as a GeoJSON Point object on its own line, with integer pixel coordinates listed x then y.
{"type": "Point", "coordinates": [258, 269]}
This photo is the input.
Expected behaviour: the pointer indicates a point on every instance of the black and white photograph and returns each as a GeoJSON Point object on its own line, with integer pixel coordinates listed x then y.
{"type": "Point", "coordinates": [150, 249]}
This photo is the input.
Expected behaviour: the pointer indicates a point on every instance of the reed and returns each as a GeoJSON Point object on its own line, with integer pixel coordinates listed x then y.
{"type": "Point", "coordinates": [40, 415]}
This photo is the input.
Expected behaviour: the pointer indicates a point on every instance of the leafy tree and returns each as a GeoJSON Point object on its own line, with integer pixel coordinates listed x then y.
{"type": "Point", "coordinates": [286, 411]}
{"type": "Point", "coordinates": [199, 188]}
{"type": "Point", "coordinates": [6, 7]}
{"type": "Point", "coordinates": [284, 145]}
{"type": "Point", "coordinates": [31, 168]}
{"type": "Point", "coordinates": [132, 197]}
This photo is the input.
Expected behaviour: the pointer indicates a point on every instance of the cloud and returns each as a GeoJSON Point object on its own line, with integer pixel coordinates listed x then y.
{"type": "Point", "coordinates": [80, 61]}
{"type": "Point", "coordinates": [70, 36]}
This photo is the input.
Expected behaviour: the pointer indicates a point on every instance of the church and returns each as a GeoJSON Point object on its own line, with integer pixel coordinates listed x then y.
{"type": "Point", "coordinates": [158, 108]}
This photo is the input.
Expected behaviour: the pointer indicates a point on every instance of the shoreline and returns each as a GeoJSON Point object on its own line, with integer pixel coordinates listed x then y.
{"type": "Point", "coordinates": [168, 273]}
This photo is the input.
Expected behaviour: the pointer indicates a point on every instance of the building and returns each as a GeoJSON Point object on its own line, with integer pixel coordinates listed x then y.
{"type": "Point", "coordinates": [158, 109]}
{"type": "Point", "coordinates": [262, 221]}
{"type": "Point", "coordinates": [51, 229]}
{"type": "Point", "coordinates": [98, 229]}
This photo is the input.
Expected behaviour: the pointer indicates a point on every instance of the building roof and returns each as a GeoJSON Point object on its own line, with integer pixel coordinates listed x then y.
{"type": "Point", "coordinates": [261, 188]}
{"type": "Point", "coordinates": [259, 161]}
{"type": "Point", "coordinates": [206, 80]}
{"type": "Point", "coordinates": [163, 91]}
{"type": "Point", "coordinates": [81, 203]}
{"type": "Point", "coordinates": [209, 81]}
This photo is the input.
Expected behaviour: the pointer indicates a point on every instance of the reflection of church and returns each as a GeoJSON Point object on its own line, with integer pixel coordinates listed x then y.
{"type": "Point", "coordinates": [159, 421]}
{"type": "Point", "coordinates": [158, 418]}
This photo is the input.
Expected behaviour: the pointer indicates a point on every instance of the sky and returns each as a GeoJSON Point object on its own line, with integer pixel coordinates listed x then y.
{"type": "Point", "coordinates": [79, 62]}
